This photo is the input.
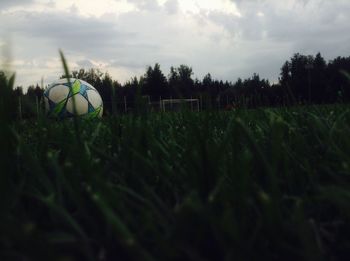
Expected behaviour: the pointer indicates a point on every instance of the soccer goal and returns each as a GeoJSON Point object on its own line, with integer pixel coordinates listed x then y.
{"type": "Point", "coordinates": [179, 104]}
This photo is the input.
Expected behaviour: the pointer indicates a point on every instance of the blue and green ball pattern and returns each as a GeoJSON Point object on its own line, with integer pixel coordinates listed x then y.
{"type": "Point", "coordinates": [76, 97]}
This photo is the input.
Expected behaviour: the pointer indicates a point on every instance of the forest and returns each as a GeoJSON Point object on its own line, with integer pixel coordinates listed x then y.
{"type": "Point", "coordinates": [304, 79]}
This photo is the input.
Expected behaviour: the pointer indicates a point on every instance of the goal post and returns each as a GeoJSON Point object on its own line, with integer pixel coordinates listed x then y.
{"type": "Point", "coordinates": [179, 104]}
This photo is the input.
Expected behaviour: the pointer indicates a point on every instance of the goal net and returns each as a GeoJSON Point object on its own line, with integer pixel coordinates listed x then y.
{"type": "Point", "coordinates": [179, 104]}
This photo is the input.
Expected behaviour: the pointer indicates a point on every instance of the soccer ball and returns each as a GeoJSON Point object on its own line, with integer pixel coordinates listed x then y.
{"type": "Point", "coordinates": [76, 97]}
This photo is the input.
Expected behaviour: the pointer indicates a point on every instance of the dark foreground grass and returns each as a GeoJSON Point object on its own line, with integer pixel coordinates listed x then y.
{"type": "Point", "coordinates": [270, 184]}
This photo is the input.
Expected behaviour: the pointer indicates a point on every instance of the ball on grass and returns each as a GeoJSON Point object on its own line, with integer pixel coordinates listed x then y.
{"type": "Point", "coordinates": [65, 98]}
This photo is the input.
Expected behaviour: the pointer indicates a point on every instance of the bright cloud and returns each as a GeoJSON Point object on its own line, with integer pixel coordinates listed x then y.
{"type": "Point", "coordinates": [96, 8]}
{"type": "Point", "coordinates": [228, 38]}
{"type": "Point", "coordinates": [82, 7]}
{"type": "Point", "coordinates": [197, 6]}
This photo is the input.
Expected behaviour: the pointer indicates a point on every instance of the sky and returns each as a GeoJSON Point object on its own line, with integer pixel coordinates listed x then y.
{"type": "Point", "coordinates": [226, 38]}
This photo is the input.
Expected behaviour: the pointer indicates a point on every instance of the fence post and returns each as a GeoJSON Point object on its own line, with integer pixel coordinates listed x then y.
{"type": "Point", "coordinates": [125, 105]}
{"type": "Point", "coordinates": [191, 104]}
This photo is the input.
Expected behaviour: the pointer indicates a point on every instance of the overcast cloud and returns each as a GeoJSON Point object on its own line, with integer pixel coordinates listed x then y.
{"type": "Point", "coordinates": [228, 38]}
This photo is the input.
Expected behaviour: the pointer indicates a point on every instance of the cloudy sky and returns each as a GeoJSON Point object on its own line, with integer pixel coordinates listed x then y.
{"type": "Point", "coordinates": [228, 38]}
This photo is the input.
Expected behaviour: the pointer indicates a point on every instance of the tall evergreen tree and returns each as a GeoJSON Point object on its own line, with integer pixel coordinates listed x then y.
{"type": "Point", "coordinates": [154, 82]}
{"type": "Point", "coordinates": [318, 80]}
{"type": "Point", "coordinates": [181, 82]}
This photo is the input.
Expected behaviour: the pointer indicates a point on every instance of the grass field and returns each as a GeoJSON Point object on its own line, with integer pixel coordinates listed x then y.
{"type": "Point", "coordinates": [268, 184]}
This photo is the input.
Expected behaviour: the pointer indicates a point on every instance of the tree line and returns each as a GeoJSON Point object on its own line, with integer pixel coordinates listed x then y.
{"type": "Point", "coordinates": [304, 79]}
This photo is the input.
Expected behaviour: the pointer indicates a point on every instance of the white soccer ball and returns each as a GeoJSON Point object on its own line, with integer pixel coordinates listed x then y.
{"type": "Point", "coordinates": [76, 97]}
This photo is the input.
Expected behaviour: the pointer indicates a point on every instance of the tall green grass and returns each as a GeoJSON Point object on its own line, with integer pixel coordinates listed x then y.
{"type": "Point", "coordinates": [270, 184]}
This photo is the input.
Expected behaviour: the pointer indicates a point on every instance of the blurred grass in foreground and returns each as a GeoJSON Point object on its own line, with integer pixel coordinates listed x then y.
{"type": "Point", "coordinates": [246, 185]}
